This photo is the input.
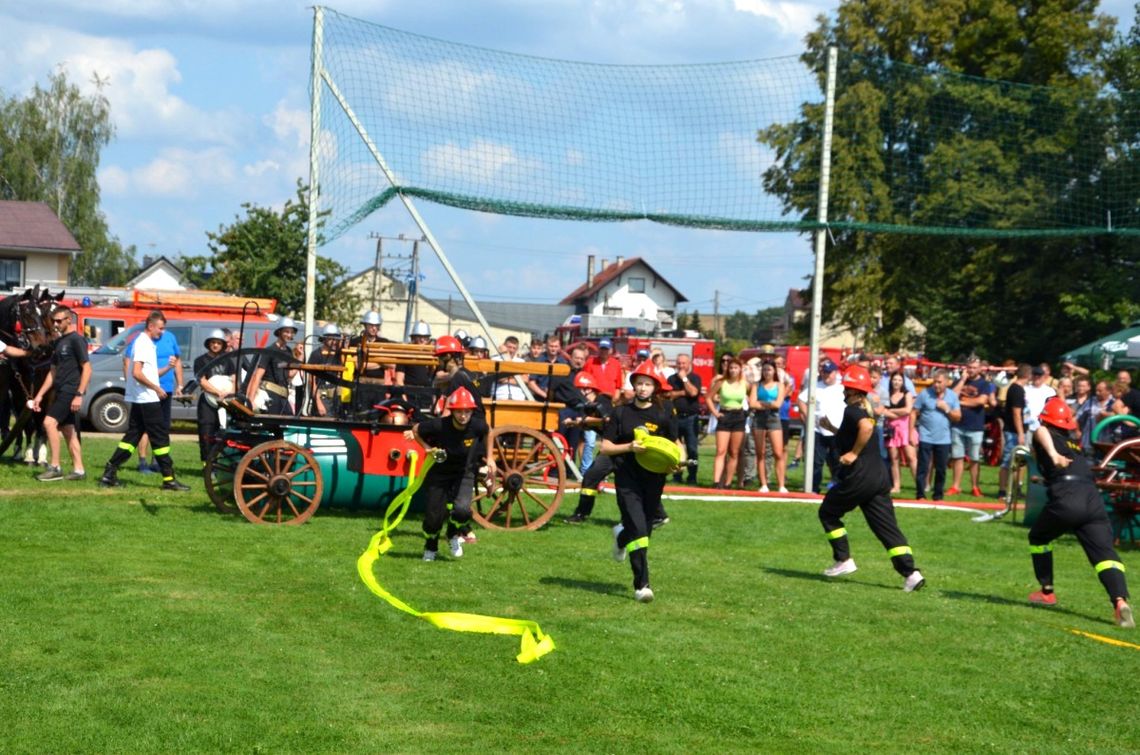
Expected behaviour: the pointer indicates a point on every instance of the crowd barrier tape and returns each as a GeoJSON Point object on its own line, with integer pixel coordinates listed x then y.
{"type": "Point", "coordinates": [534, 643]}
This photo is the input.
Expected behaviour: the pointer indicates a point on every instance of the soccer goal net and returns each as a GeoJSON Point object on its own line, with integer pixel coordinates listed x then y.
{"type": "Point", "coordinates": [726, 146]}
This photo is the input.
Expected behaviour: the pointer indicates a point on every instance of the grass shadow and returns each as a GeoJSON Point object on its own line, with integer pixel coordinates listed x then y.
{"type": "Point", "coordinates": [817, 577]}
{"type": "Point", "coordinates": [999, 600]}
{"type": "Point", "coordinates": [602, 588]}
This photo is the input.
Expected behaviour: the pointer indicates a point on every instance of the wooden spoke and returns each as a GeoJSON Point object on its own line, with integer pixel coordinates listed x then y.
{"type": "Point", "coordinates": [525, 460]}
{"type": "Point", "coordinates": [286, 467]}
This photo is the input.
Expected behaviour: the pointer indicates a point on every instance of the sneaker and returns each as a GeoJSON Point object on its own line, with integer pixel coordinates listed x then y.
{"type": "Point", "coordinates": [76, 476]}
{"type": "Point", "coordinates": [575, 519]}
{"type": "Point", "coordinates": [51, 475]}
{"type": "Point", "coordinates": [429, 555]}
{"type": "Point", "coordinates": [643, 594]}
{"type": "Point", "coordinates": [175, 485]}
{"type": "Point", "coordinates": [954, 491]}
{"type": "Point", "coordinates": [793, 463]}
{"type": "Point", "coordinates": [455, 545]}
{"type": "Point", "coordinates": [783, 489]}
{"type": "Point", "coordinates": [468, 537]}
{"type": "Point", "coordinates": [976, 492]}
{"type": "Point", "coordinates": [659, 522]}
{"type": "Point", "coordinates": [764, 489]}
{"type": "Point", "coordinates": [914, 582]}
{"type": "Point", "coordinates": [619, 551]}
{"type": "Point", "coordinates": [1123, 614]}
{"type": "Point", "coordinates": [839, 568]}
{"type": "Point", "coordinates": [1043, 598]}
{"type": "Point", "coordinates": [1001, 495]}
{"type": "Point", "coordinates": [144, 468]}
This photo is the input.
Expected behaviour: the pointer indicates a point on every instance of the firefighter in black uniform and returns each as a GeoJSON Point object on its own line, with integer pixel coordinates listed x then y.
{"type": "Point", "coordinates": [595, 414]}
{"type": "Point", "coordinates": [1074, 505]}
{"type": "Point", "coordinates": [452, 375]}
{"type": "Point", "coordinates": [449, 484]}
{"type": "Point", "coordinates": [367, 395]}
{"type": "Point", "coordinates": [416, 375]}
{"type": "Point", "coordinates": [638, 489]}
{"type": "Point", "coordinates": [209, 413]}
{"type": "Point", "coordinates": [862, 482]}
{"type": "Point", "coordinates": [325, 400]}
{"type": "Point", "coordinates": [273, 373]}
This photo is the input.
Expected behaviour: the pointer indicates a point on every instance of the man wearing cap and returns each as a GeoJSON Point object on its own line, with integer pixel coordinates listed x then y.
{"type": "Point", "coordinates": [1037, 392]}
{"type": "Point", "coordinates": [626, 386]}
{"type": "Point", "coordinates": [273, 373]}
{"type": "Point", "coordinates": [829, 402]}
{"type": "Point", "coordinates": [935, 409]}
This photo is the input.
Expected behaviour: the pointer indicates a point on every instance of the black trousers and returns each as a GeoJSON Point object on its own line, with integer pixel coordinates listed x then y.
{"type": "Point", "coordinates": [638, 499]}
{"type": "Point", "coordinates": [1076, 506]}
{"type": "Point", "coordinates": [875, 501]}
{"type": "Point", "coordinates": [447, 498]}
{"type": "Point", "coordinates": [687, 430]}
{"type": "Point", "coordinates": [940, 453]}
{"type": "Point", "coordinates": [209, 427]}
{"type": "Point", "coordinates": [597, 473]}
{"type": "Point", "coordinates": [148, 419]}
{"type": "Point", "coordinates": [825, 452]}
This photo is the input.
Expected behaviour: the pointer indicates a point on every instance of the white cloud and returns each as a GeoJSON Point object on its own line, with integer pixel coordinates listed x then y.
{"type": "Point", "coordinates": [794, 18]}
{"type": "Point", "coordinates": [113, 180]}
{"type": "Point", "coordinates": [290, 125]}
{"type": "Point", "coordinates": [176, 172]}
{"type": "Point", "coordinates": [482, 162]}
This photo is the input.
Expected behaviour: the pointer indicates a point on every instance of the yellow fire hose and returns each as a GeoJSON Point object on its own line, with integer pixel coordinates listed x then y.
{"type": "Point", "coordinates": [534, 643]}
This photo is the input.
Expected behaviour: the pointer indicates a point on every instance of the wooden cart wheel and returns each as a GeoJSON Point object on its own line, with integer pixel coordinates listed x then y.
{"type": "Point", "coordinates": [529, 481]}
{"type": "Point", "coordinates": [278, 483]}
{"type": "Point", "coordinates": [221, 463]}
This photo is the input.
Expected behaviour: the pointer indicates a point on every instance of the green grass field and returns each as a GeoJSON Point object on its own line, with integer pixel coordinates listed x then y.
{"type": "Point", "coordinates": [138, 621]}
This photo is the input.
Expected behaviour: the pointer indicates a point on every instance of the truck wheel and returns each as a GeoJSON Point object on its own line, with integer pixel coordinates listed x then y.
{"type": "Point", "coordinates": [109, 414]}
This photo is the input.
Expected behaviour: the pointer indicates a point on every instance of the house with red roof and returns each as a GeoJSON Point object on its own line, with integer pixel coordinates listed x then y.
{"type": "Point", "coordinates": [623, 292]}
{"type": "Point", "coordinates": [35, 246]}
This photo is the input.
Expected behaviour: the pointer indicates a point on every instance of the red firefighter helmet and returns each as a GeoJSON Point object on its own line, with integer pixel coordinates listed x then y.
{"type": "Point", "coordinates": [461, 398]}
{"type": "Point", "coordinates": [448, 345]}
{"type": "Point", "coordinates": [585, 380]}
{"type": "Point", "coordinates": [1058, 414]}
{"type": "Point", "coordinates": [858, 379]}
{"type": "Point", "coordinates": [648, 369]}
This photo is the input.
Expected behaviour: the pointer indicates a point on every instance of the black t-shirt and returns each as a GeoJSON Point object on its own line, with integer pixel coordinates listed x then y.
{"type": "Point", "coordinates": [974, 417]}
{"type": "Point", "coordinates": [419, 375]}
{"type": "Point", "coordinates": [868, 465]}
{"type": "Point", "coordinates": [686, 405]}
{"type": "Point", "coordinates": [562, 390]}
{"type": "Point", "coordinates": [658, 420]}
{"type": "Point", "coordinates": [219, 365]}
{"type": "Point", "coordinates": [1014, 398]}
{"type": "Point", "coordinates": [465, 446]}
{"type": "Point", "coordinates": [463, 379]}
{"type": "Point", "coordinates": [68, 358]}
{"type": "Point", "coordinates": [1131, 399]}
{"type": "Point", "coordinates": [1065, 446]}
{"type": "Point", "coordinates": [359, 344]}
{"type": "Point", "coordinates": [277, 367]}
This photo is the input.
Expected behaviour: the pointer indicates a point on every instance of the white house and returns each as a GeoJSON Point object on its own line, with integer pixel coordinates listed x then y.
{"type": "Point", "coordinates": [159, 274]}
{"type": "Point", "coordinates": [627, 294]}
{"type": "Point", "coordinates": [35, 247]}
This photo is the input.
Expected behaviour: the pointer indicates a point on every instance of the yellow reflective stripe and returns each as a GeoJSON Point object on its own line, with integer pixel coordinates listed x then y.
{"type": "Point", "coordinates": [162, 451]}
{"type": "Point", "coordinates": [836, 534]}
{"type": "Point", "coordinates": [1108, 565]}
{"type": "Point", "coordinates": [127, 447]}
{"type": "Point", "coordinates": [1040, 548]}
{"type": "Point", "coordinates": [168, 479]}
{"type": "Point", "coordinates": [901, 550]}
{"type": "Point", "coordinates": [636, 545]}
{"type": "Point", "coordinates": [592, 492]}
{"type": "Point", "coordinates": [534, 642]}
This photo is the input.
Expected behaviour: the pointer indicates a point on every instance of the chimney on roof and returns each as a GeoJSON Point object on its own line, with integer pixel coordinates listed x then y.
{"type": "Point", "coordinates": [605, 264]}
{"type": "Point", "coordinates": [589, 270]}
{"type": "Point", "coordinates": [619, 260]}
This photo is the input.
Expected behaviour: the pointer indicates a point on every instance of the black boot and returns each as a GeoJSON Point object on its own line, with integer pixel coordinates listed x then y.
{"type": "Point", "coordinates": [110, 478]}
{"type": "Point", "coordinates": [173, 484]}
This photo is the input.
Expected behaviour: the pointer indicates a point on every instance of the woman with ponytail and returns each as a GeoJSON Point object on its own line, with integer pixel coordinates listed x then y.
{"type": "Point", "coordinates": [863, 482]}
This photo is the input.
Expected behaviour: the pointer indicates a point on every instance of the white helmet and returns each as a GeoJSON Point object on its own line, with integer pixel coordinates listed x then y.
{"type": "Point", "coordinates": [285, 323]}
{"type": "Point", "coordinates": [478, 342]}
{"type": "Point", "coordinates": [217, 334]}
{"type": "Point", "coordinates": [462, 337]}
{"type": "Point", "coordinates": [330, 330]}
{"type": "Point", "coordinates": [420, 329]}
{"type": "Point", "coordinates": [370, 317]}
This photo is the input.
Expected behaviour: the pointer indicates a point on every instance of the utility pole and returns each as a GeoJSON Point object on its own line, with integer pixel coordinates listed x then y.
{"type": "Point", "coordinates": [413, 305]}
{"type": "Point", "coordinates": [378, 268]}
{"type": "Point", "coordinates": [716, 314]}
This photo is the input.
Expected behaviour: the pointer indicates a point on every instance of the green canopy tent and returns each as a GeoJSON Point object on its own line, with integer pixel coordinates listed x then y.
{"type": "Point", "coordinates": [1109, 352]}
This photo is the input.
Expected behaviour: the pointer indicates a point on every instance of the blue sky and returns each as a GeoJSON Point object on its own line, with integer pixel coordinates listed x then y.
{"type": "Point", "coordinates": [210, 100]}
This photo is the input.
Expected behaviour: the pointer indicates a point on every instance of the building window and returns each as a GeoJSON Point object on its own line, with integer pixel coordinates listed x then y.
{"type": "Point", "coordinates": [637, 285]}
{"type": "Point", "coordinates": [11, 273]}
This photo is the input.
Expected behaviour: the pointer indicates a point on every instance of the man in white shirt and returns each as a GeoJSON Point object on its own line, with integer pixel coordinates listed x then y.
{"type": "Point", "coordinates": [1037, 392]}
{"type": "Point", "coordinates": [144, 394]}
{"type": "Point", "coordinates": [828, 403]}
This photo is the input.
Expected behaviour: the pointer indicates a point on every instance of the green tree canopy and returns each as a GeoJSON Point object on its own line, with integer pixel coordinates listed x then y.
{"type": "Point", "coordinates": [263, 255]}
{"type": "Point", "coordinates": [917, 139]}
{"type": "Point", "coordinates": [50, 144]}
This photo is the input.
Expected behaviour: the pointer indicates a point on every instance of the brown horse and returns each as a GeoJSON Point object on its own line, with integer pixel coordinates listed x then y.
{"type": "Point", "coordinates": [25, 321]}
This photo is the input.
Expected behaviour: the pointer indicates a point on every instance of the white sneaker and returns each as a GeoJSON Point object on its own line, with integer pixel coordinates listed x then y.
{"type": "Point", "coordinates": [839, 568]}
{"type": "Point", "coordinates": [455, 545]}
{"type": "Point", "coordinates": [764, 489]}
{"type": "Point", "coordinates": [914, 582]}
{"type": "Point", "coordinates": [783, 489]}
{"type": "Point", "coordinates": [643, 594]}
{"type": "Point", "coordinates": [619, 551]}
{"type": "Point", "coordinates": [429, 555]}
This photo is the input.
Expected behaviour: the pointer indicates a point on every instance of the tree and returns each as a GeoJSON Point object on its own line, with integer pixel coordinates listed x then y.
{"type": "Point", "coordinates": [918, 143]}
{"type": "Point", "coordinates": [263, 255]}
{"type": "Point", "coordinates": [50, 144]}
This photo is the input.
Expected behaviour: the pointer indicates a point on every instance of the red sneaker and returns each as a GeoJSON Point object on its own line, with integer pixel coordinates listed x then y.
{"type": "Point", "coordinates": [976, 492]}
{"type": "Point", "coordinates": [1043, 598]}
{"type": "Point", "coordinates": [954, 491]}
